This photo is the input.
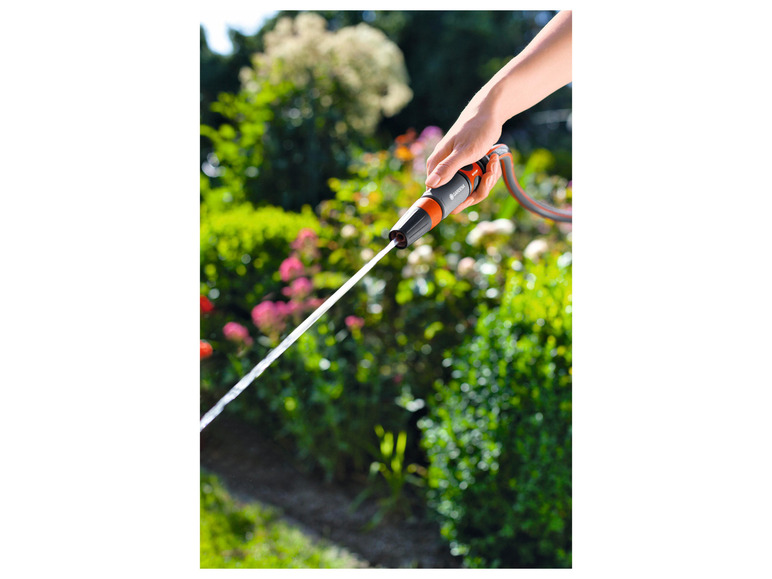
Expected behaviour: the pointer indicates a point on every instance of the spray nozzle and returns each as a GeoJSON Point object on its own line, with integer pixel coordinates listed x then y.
{"type": "Point", "coordinates": [436, 204]}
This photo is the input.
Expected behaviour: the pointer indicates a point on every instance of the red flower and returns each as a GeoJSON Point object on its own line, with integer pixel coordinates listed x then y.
{"type": "Point", "coordinates": [206, 349]}
{"type": "Point", "coordinates": [206, 305]}
{"type": "Point", "coordinates": [407, 138]}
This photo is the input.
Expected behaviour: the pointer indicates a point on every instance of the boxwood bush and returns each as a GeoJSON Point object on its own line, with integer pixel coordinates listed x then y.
{"type": "Point", "coordinates": [498, 434]}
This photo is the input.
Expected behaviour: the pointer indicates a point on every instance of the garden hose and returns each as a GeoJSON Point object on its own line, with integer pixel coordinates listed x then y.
{"type": "Point", "coordinates": [436, 204]}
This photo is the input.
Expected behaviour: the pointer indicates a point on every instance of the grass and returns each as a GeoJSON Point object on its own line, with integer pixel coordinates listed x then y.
{"type": "Point", "coordinates": [235, 535]}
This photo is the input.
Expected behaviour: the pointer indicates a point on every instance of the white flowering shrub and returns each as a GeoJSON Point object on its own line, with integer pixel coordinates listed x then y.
{"type": "Point", "coordinates": [310, 99]}
{"type": "Point", "coordinates": [356, 70]}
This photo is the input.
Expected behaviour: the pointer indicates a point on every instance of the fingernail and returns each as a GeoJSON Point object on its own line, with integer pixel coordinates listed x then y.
{"type": "Point", "coordinates": [433, 180]}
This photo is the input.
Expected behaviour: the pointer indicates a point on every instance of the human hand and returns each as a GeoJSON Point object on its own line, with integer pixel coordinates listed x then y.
{"type": "Point", "coordinates": [540, 69]}
{"type": "Point", "coordinates": [467, 141]}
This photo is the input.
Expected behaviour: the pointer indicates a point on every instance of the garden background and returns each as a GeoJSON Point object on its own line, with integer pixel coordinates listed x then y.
{"type": "Point", "coordinates": [441, 384]}
{"type": "Point", "coordinates": [101, 264]}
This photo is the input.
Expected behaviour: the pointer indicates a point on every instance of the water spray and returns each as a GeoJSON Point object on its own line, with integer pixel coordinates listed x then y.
{"type": "Point", "coordinates": [289, 340]}
{"type": "Point", "coordinates": [431, 208]}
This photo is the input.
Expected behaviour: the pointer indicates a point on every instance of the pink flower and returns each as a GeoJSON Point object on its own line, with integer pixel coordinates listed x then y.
{"type": "Point", "coordinates": [354, 322]}
{"type": "Point", "coordinates": [285, 308]}
{"type": "Point", "coordinates": [431, 133]}
{"type": "Point", "coordinates": [290, 268]}
{"type": "Point", "coordinates": [417, 149]}
{"type": "Point", "coordinates": [237, 333]}
{"type": "Point", "coordinates": [299, 289]}
{"type": "Point", "coordinates": [269, 317]}
{"type": "Point", "coordinates": [291, 308]}
{"type": "Point", "coordinates": [305, 238]}
{"type": "Point", "coordinates": [306, 244]}
{"type": "Point", "coordinates": [425, 144]}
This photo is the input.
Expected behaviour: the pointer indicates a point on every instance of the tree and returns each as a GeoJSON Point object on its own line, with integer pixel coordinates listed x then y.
{"type": "Point", "coordinates": [328, 90]}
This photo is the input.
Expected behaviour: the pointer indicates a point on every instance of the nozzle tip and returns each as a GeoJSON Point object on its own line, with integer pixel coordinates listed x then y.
{"type": "Point", "coordinates": [399, 237]}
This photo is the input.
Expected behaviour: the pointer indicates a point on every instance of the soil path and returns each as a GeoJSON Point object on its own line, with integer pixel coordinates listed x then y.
{"type": "Point", "coordinates": [255, 468]}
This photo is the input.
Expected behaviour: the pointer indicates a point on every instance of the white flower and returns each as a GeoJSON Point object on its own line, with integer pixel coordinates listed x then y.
{"type": "Point", "coordinates": [535, 249]}
{"type": "Point", "coordinates": [357, 67]}
{"type": "Point", "coordinates": [348, 231]}
{"type": "Point", "coordinates": [366, 254]}
{"type": "Point", "coordinates": [466, 266]}
{"type": "Point", "coordinates": [488, 268]}
{"type": "Point", "coordinates": [480, 230]}
{"type": "Point", "coordinates": [503, 226]}
{"type": "Point", "coordinates": [421, 254]}
{"type": "Point", "coordinates": [489, 229]}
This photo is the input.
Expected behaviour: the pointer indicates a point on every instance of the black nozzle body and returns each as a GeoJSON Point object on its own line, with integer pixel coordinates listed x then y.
{"type": "Point", "coordinates": [412, 225]}
{"type": "Point", "coordinates": [435, 205]}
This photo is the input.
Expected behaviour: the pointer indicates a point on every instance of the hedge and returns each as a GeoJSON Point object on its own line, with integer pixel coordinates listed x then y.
{"type": "Point", "coordinates": [498, 435]}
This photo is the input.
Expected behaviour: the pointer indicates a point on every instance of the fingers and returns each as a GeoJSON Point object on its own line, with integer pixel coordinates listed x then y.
{"type": "Point", "coordinates": [487, 182]}
{"type": "Point", "coordinates": [441, 172]}
{"type": "Point", "coordinates": [440, 152]}
{"type": "Point", "coordinates": [470, 137]}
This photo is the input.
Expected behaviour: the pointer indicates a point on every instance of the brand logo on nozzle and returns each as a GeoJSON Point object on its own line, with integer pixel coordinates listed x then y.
{"type": "Point", "coordinates": [456, 192]}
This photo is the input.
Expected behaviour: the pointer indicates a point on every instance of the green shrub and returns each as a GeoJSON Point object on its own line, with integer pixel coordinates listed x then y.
{"type": "Point", "coordinates": [241, 250]}
{"type": "Point", "coordinates": [253, 536]}
{"type": "Point", "coordinates": [328, 391]}
{"type": "Point", "coordinates": [498, 435]}
{"type": "Point", "coordinates": [325, 394]}
{"type": "Point", "coordinates": [230, 172]}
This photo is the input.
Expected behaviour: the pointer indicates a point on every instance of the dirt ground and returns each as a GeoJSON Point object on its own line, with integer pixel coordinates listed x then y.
{"type": "Point", "coordinates": [255, 468]}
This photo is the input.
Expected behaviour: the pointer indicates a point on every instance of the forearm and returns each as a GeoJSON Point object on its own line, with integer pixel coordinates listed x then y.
{"type": "Point", "coordinates": [539, 70]}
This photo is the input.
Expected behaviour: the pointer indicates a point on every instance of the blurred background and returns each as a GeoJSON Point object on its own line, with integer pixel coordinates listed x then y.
{"type": "Point", "coordinates": [436, 395]}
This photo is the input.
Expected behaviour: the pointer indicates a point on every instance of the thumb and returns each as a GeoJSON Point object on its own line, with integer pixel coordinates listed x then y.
{"type": "Point", "coordinates": [447, 167]}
